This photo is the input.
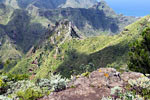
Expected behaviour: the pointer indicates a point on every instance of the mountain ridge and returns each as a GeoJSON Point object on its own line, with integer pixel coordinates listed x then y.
{"type": "Point", "coordinates": [27, 27]}
{"type": "Point", "coordinates": [49, 49]}
{"type": "Point", "coordinates": [50, 4]}
{"type": "Point", "coordinates": [35, 21]}
{"type": "Point", "coordinates": [69, 57]}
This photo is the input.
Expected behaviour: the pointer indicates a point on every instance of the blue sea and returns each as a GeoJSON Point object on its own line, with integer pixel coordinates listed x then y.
{"type": "Point", "coordinates": [130, 7]}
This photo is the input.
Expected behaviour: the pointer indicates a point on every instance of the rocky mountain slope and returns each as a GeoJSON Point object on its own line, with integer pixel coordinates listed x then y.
{"type": "Point", "coordinates": [8, 49]}
{"type": "Point", "coordinates": [61, 53]}
{"type": "Point", "coordinates": [91, 22]}
{"type": "Point", "coordinates": [96, 20]}
{"type": "Point", "coordinates": [79, 3]}
{"type": "Point", "coordinates": [26, 23]}
{"type": "Point", "coordinates": [50, 4]}
{"type": "Point", "coordinates": [45, 45]}
{"type": "Point", "coordinates": [34, 21]}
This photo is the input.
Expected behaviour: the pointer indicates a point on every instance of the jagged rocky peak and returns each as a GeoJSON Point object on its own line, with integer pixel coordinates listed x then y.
{"type": "Point", "coordinates": [102, 5]}
{"type": "Point", "coordinates": [64, 27]}
{"type": "Point", "coordinates": [60, 32]}
{"type": "Point", "coordinates": [67, 28]}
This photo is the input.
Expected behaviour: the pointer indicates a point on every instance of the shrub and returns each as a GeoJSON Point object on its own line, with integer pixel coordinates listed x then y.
{"type": "Point", "coordinates": [140, 54]}
{"type": "Point", "coordinates": [3, 86]}
{"type": "Point", "coordinates": [58, 83]}
{"type": "Point", "coordinates": [17, 88]}
{"type": "Point", "coordinates": [44, 83]}
{"type": "Point", "coordinates": [141, 87]}
{"type": "Point", "coordinates": [8, 65]}
{"type": "Point", "coordinates": [86, 74]}
{"type": "Point", "coordinates": [54, 83]}
{"type": "Point", "coordinates": [4, 98]}
{"type": "Point", "coordinates": [29, 94]}
{"type": "Point", "coordinates": [17, 77]}
{"type": "Point", "coordinates": [86, 68]}
{"type": "Point", "coordinates": [107, 98]}
{"type": "Point", "coordinates": [26, 90]}
{"type": "Point", "coordinates": [6, 82]}
{"type": "Point", "coordinates": [118, 94]}
{"type": "Point", "coordinates": [1, 82]}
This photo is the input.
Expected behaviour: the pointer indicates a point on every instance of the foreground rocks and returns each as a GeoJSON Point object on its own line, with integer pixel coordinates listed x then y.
{"type": "Point", "coordinates": [97, 85]}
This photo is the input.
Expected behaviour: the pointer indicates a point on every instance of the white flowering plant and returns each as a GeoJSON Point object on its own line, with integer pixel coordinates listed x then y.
{"type": "Point", "coordinates": [141, 86]}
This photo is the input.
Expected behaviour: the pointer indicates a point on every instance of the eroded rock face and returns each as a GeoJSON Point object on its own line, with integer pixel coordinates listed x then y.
{"type": "Point", "coordinates": [95, 86]}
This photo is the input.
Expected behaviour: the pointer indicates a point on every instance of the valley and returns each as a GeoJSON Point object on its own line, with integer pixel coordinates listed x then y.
{"type": "Point", "coordinates": [47, 47]}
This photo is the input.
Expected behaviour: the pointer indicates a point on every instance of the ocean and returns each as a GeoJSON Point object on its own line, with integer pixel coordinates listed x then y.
{"type": "Point", "coordinates": [130, 7]}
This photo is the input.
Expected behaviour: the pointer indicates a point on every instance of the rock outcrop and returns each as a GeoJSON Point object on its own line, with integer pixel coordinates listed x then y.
{"type": "Point", "coordinates": [97, 85]}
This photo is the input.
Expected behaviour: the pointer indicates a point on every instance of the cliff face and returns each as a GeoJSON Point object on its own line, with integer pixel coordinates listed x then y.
{"type": "Point", "coordinates": [25, 21]}
{"type": "Point", "coordinates": [95, 86]}
{"type": "Point", "coordinates": [50, 4]}
{"type": "Point", "coordinates": [79, 3]}
{"type": "Point", "coordinates": [64, 50]}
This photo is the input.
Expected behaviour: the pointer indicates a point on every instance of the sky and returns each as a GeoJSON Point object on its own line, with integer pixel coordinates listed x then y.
{"type": "Point", "coordinates": [130, 7]}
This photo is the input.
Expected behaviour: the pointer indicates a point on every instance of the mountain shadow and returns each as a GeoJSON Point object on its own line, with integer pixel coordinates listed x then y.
{"type": "Point", "coordinates": [76, 61]}
{"type": "Point", "coordinates": [71, 64]}
{"type": "Point", "coordinates": [81, 18]}
{"type": "Point", "coordinates": [23, 33]}
{"type": "Point", "coordinates": [112, 54]}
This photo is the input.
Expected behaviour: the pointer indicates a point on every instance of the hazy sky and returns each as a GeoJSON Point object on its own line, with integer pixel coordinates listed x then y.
{"type": "Point", "coordinates": [130, 7]}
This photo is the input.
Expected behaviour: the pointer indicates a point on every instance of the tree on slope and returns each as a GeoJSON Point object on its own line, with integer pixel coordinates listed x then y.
{"type": "Point", "coordinates": [140, 54]}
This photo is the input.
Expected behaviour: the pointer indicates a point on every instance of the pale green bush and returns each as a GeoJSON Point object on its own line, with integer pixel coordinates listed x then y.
{"type": "Point", "coordinates": [27, 90]}
{"type": "Point", "coordinates": [4, 98]}
{"type": "Point", "coordinates": [44, 83]}
{"type": "Point", "coordinates": [20, 86]}
{"type": "Point", "coordinates": [141, 87]}
{"type": "Point", "coordinates": [118, 94]}
{"type": "Point", "coordinates": [142, 82]}
{"type": "Point", "coordinates": [107, 98]}
{"type": "Point", "coordinates": [58, 83]}
{"type": "Point", "coordinates": [115, 90]}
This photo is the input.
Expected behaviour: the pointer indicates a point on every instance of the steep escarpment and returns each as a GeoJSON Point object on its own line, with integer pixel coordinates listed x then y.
{"type": "Point", "coordinates": [48, 44]}
{"type": "Point", "coordinates": [37, 31]}
{"type": "Point", "coordinates": [79, 3]}
{"type": "Point", "coordinates": [25, 26]}
{"type": "Point", "coordinates": [8, 49]}
{"type": "Point", "coordinates": [50, 4]}
{"type": "Point", "coordinates": [91, 22]}
{"type": "Point", "coordinates": [71, 50]}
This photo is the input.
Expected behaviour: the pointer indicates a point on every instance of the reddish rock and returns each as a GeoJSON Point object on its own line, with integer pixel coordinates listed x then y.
{"type": "Point", "coordinates": [93, 87]}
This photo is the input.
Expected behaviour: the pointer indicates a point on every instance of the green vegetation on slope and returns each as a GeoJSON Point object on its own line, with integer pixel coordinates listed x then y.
{"type": "Point", "coordinates": [5, 13]}
{"type": "Point", "coordinates": [49, 4]}
{"type": "Point", "coordinates": [25, 27]}
{"type": "Point", "coordinates": [70, 57]}
{"type": "Point", "coordinates": [140, 53]}
{"type": "Point", "coordinates": [91, 22]}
